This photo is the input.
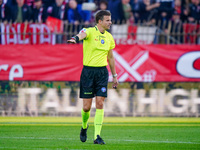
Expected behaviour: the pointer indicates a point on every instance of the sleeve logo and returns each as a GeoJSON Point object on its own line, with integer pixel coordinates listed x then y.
{"type": "Point", "coordinates": [83, 30]}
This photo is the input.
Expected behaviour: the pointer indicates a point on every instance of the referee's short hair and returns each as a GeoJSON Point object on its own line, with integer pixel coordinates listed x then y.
{"type": "Point", "coordinates": [100, 14]}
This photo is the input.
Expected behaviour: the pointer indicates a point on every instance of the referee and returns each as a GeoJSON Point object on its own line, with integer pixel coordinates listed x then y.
{"type": "Point", "coordinates": [97, 51]}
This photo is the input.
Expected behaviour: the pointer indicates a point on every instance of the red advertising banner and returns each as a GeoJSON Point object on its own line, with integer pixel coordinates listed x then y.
{"type": "Point", "coordinates": [134, 63]}
{"type": "Point", "coordinates": [148, 63]}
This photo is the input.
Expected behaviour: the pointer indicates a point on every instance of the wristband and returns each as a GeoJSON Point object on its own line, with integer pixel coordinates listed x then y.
{"type": "Point", "coordinates": [76, 38]}
{"type": "Point", "coordinates": [114, 75]}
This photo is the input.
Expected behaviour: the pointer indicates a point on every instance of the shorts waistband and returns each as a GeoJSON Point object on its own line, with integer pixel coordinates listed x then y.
{"type": "Point", "coordinates": [89, 67]}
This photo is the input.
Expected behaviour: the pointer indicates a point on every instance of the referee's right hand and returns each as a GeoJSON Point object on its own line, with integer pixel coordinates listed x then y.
{"type": "Point", "coordinates": [71, 41]}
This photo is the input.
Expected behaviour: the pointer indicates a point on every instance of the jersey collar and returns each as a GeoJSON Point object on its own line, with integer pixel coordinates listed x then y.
{"type": "Point", "coordinates": [98, 29]}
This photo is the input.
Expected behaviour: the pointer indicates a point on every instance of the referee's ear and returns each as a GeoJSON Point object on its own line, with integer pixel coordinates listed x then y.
{"type": "Point", "coordinates": [100, 21]}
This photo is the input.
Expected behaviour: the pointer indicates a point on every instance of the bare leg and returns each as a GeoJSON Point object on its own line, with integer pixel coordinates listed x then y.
{"type": "Point", "coordinates": [99, 102]}
{"type": "Point", "coordinates": [87, 103]}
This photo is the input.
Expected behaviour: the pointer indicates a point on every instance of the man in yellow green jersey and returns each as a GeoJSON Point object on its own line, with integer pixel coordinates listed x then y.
{"type": "Point", "coordinates": [97, 51]}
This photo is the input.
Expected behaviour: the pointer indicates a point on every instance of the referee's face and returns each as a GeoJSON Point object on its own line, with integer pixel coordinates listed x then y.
{"type": "Point", "coordinates": [106, 23]}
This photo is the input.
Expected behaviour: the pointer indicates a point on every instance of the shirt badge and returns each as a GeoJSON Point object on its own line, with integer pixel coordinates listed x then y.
{"type": "Point", "coordinates": [103, 89]}
{"type": "Point", "coordinates": [102, 41]}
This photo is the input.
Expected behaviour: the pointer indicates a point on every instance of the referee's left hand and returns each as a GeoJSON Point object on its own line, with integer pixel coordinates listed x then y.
{"type": "Point", "coordinates": [115, 83]}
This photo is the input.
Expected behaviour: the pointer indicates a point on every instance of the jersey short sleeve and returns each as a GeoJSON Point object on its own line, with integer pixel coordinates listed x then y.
{"type": "Point", "coordinates": [85, 31]}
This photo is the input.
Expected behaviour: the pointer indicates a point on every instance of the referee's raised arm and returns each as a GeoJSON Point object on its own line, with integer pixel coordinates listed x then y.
{"type": "Point", "coordinates": [77, 38]}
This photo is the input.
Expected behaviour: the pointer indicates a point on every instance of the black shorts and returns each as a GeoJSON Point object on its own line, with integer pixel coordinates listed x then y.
{"type": "Point", "coordinates": [93, 82]}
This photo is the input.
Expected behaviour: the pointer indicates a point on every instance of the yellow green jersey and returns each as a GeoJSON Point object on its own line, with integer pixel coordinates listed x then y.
{"type": "Point", "coordinates": [96, 46]}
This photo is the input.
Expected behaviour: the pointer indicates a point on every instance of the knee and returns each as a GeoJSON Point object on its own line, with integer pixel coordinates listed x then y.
{"type": "Point", "coordinates": [99, 104]}
{"type": "Point", "coordinates": [86, 108]}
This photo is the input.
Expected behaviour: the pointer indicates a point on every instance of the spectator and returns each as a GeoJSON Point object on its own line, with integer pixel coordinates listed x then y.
{"type": "Point", "coordinates": [77, 15]}
{"type": "Point", "coordinates": [176, 28]}
{"type": "Point", "coordinates": [11, 2]}
{"type": "Point", "coordinates": [39, 12]}
{"type": "Point", "coordinates": [30, 3]}
{"type": "Point", "coordinates": [127, 10]}
{"type": "Point", "coordinates": [164, 13]}
{"type": "Point", "coordinates": [4, 12]}
{"type": "Point", "coordinates": [48, 3]}
{"type": "Point", "coordinates": [4, 15]}
{"type": "Point", "coordinates": [135, 6]}
{"type": "Point", "coordinates": [121, 12]}
{"type": "Point", "coordinates": [21, 12]}
{"type": "Point", "coordinates": [177, 6]}
{"type": "Point", "coordinates": [116, 9]}
{"type": "Point", "coordinates": [103, 5]}
{"type": "Point", "coordinates": [60, 11]}
{"type": "Point", "coordinates": [148, 11]}
{"type": "Point", "coordinates": [181, 10]}
{"type": "Point", "coordinates": [194, 11]}
{"type": "Point", "coordinates": [81, 1]}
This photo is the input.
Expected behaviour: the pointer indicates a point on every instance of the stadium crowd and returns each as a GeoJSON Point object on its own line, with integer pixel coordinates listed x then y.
{"type": "Point", "coordinates": [137, 12]}
{"type": "Point", "coordinates": [133, 10]}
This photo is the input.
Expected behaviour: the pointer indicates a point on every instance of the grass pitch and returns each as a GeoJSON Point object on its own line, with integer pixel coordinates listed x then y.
{"type": "Point", "coordinates": [62, 133]}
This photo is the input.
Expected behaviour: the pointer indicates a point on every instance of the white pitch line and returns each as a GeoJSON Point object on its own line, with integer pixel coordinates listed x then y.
{"type": "Point", "coordinates": [125, 140]}
{"type": "Point", "coordinates": [34, 138]}
{"type": "Point", "coordinates": [146, 141]}
{"type": "Point", "coordinates": [38, 148]}
{"type": "Point", "coordinates": [27, 148]}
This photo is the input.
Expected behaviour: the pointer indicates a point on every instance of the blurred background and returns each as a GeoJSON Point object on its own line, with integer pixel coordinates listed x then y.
{"type": "Point", "coordinates": [157, 57]}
